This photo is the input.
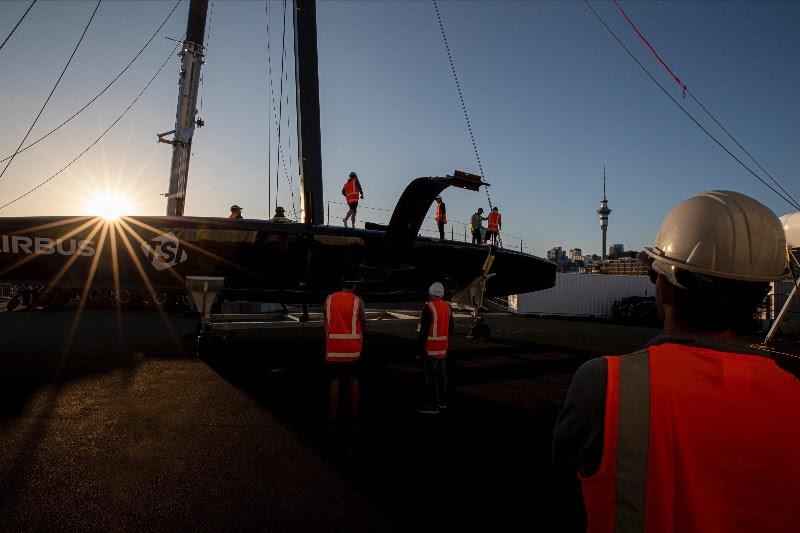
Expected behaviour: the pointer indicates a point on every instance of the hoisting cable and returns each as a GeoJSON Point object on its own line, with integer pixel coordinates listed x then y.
{"type": "Point", "coordinates": [17, 24]}
{"type": "Point", "coordinates": [689, 115]}
{"type": "Point", "coordinates": [461, 98]}
{"type": "Point", "coordinates": [35, 120]}
{"type": "Point", "coordinates": [107, 87]}
{"type": "Point", "coordinates": [65, 167]}
{"type": "Point", "coordinates": [686, 91]}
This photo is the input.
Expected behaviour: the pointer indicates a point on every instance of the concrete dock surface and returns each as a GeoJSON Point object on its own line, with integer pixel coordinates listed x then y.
{"type": "Point", "coordinates": [110, 422]}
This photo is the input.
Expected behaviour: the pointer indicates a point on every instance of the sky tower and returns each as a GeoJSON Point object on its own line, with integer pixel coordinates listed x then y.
{"type": "Point", "coordinates": [604, 211]}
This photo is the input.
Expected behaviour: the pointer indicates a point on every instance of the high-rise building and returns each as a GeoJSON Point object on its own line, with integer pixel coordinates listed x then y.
{"type": "Point", "coordinates": [615, 251]}
{"type": "Point", "coordinates": [604, 211]}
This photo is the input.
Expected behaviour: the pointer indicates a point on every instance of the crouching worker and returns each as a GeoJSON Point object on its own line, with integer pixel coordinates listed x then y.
{"type": "Point", "coordinates": [436, 323]}
{"type": "Point", "coordinates": [345, 322]}
{"type": "Point", "coordinates": [698, 431]}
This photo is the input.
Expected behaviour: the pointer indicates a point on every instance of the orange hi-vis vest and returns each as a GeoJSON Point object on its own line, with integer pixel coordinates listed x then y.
{"type": "Point", "coordinates": [441, 217]}
{"type": "Point", "coordinates": [697, 440]}
{"type": "Point", "coordinates": [351, 191]}
{"type": "Point", "coordinates": [343, 335]}
{"type": "Point", "coordinates": [493, 223]}
{"type": "Point", "coordinates": [436, 344]}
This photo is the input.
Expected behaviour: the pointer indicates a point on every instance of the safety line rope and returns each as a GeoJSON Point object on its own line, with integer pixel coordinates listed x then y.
{"type": "Point", "coordinates": [17, 24]}
{"type": "Point", "coordinates": [686, 91]}
{"type": "Point", "coordinates": [90, 102]}
{"type": "Point", "coordinates": [461, 98]}
{"type": "Point", "coordinates": [53, 90]}
{"type": "Point", "coordinates": [689, 115]}
{"type": "Point", "coordinates": [169, 56]}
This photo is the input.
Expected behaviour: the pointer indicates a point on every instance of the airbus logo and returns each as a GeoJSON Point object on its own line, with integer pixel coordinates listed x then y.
{"type": "Point", "coordinates": [20, 244]}
{"type": "Point", "coordinates": [164, 251]}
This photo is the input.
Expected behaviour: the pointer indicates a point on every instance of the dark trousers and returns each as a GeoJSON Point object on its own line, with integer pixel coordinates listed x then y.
{"type": "Point", "coordinates": [440, 223]}
{"type": "Point", "coordinates": [477, 236]}
{"type": "Point", "coordinates": [435, 382]}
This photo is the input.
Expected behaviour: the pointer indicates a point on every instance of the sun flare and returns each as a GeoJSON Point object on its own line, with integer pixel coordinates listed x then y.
{"type": "Point", "coordinates": [110, 206]}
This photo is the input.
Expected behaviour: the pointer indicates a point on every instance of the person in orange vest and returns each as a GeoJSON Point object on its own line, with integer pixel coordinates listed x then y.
{"type": "Point", "coordinates": [352, 191]}
{"type": "Point", "coordinates": [698, 431]}
{"type": "Point", "coordinates": [236, 212]}
{"type": "Point", "coordinates": [494, 225]}
{"type": "Point", "coordinates": [436, 323]}
{"type": "Point", "coordinates": [441, 216]}
{"type": "Point", "coordinates": [345, 323]}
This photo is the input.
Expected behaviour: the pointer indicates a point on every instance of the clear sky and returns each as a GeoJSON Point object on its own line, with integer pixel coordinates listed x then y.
{"type": "Point", "coordinates": [552, 98]}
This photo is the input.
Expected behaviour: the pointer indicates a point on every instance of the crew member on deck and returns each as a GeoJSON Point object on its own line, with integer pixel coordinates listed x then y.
{"type": "Point", "coordinates": [476, 224]}
{"type": "Point", "coordinates": [236, 212]}
{"type": "Point", "coordinates": [441, 216]}
{"type": "Point", "coordinates": [351, 191]}
{"type": "Point", "coordinates": [280, 216]}
{"type": "Point", "coordinates": [494, 225]}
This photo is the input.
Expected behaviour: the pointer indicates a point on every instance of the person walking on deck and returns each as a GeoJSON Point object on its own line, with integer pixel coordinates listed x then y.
{"type": "Point", "coordinates": [351, 191]}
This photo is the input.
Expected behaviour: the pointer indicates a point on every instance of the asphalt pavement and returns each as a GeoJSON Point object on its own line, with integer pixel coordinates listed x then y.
{"type": "Point", "coordinates": [109, 422]}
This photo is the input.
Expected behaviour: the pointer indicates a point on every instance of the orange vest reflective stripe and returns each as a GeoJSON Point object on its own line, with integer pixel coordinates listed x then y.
{"type": "Point", "coordinates": [343, 336]}
{"type": "Point", "coordinates": [436, 344]}
{"type": "Point", "coordinates": [351, 191]}
{"type": "Point", "coordinates": [494, 221]}
{"type": "Point", "coordinates": [439, 215]}
{"type": "Point", "coordinates": [697, 440]}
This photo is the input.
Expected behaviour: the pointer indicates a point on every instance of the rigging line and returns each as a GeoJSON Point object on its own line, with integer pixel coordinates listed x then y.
{"type": "Point", "coordinates": [698, 102]}
{"type": "Point", "coordinates": [269, 121]}
{"type": "Point", "coordinates": [674, 101]}
{"type": "Point", "coordinates": [11, 159]}
{"type": "Point", "coordinates": [280, 101]}
{"type": "Point", "coordinates": [205, 50]}
{"type": "Point", "coordinates": [65, 167]}
{"type": "Point", "coordinates": [461, 98]}
{"type": "Point", "coordinates": [653, 50]}
{"type": "Point", "coordinates": [289, 175]}
{"type": "Point", "coordinates": [17, 24]}
{"type": "Point", "coordinates": [280, 156]}
{"type": "Point", "coordinates": [107, 87]}
{"type": "Point", "coordinates": [753, 159]}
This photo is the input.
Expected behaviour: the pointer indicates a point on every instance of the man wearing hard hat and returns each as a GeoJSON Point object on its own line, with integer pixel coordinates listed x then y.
{"type": "Point", "coordinates": [698, 431]}
{"type": "Point", "coordinates": [436, 323]}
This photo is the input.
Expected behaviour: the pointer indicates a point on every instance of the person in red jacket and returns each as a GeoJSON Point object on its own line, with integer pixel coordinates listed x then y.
{"type": "Point", "coordinates": [494, 225]}
{"type": "Point", "coordinates": [441, 216]}
{"type": "Point", "coordinates": [236, 212]}
{"type": "Point", "coordinates": [352, 191]}
{"type": "Point", "coordinates": [345, 323]}
{"type": "Point", "coordinates": [699, 430]}
{"type": "Point", "coordinates": [436, 324]}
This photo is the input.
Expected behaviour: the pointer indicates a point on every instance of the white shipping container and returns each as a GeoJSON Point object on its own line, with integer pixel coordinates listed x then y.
{"type": "Point", "coordinates": [581, 295]}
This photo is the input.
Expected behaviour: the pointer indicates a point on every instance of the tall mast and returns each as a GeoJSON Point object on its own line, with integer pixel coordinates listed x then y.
{"type": "Point", "coordinates": [191, 60]}
{"type": "Point", "coordinates": [307, 81]}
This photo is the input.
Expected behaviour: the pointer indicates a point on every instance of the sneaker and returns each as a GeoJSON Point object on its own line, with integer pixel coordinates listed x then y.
{"type": "Point", "coordinates": [345, 221]}
{"type": "Point", "coordinates": [428, 411]}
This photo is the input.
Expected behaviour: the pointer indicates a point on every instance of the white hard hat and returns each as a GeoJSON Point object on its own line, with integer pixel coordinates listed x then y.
{"type": "Point", "coordinates": [791, 228]}
{"type": "Point", "coordinates": [437, 289]}
{"type": "Point", "coordinates": [722, 234]}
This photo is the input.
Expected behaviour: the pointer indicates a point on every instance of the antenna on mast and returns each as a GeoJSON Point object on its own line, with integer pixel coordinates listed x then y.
{"type": "Point", "coordinates": [191, 55]}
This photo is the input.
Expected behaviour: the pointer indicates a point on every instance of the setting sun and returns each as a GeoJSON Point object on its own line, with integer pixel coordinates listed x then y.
{"type": "Point", "coordinates": [110, 206]}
